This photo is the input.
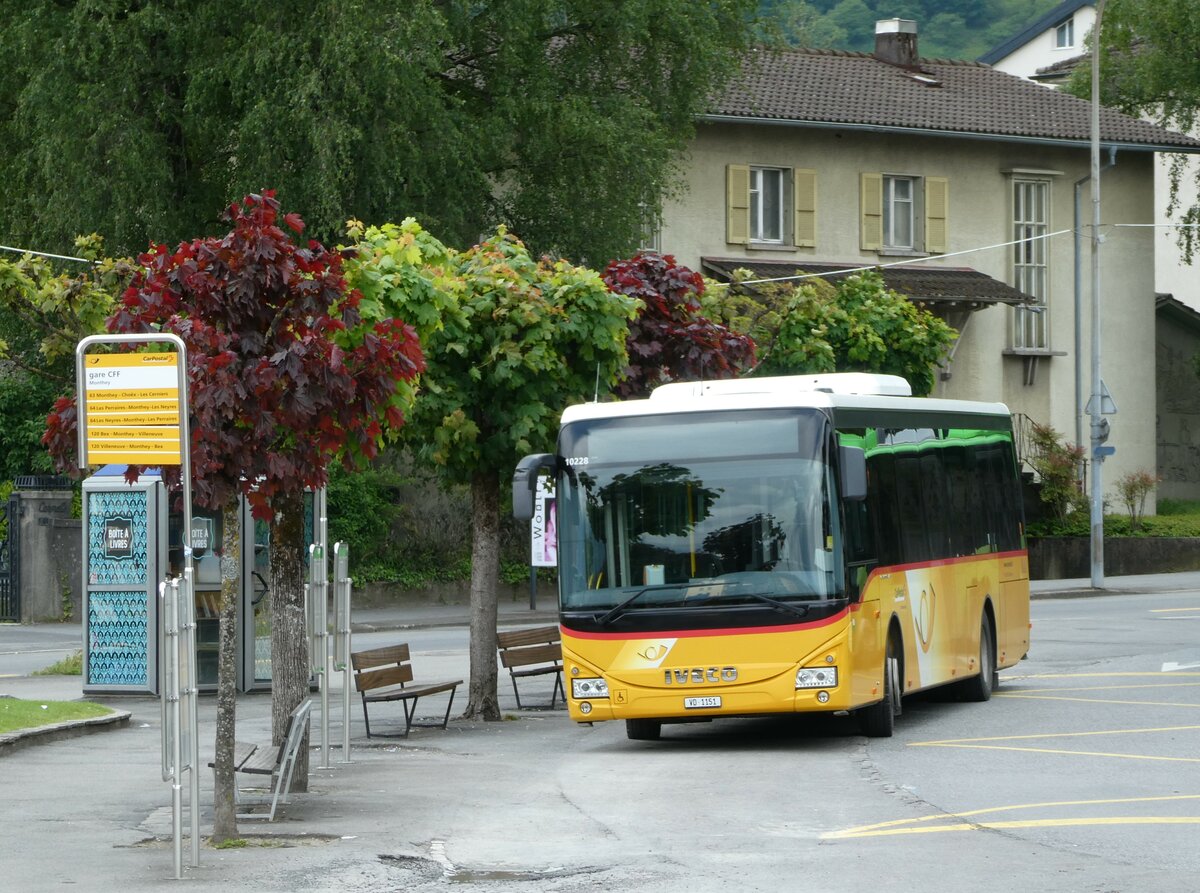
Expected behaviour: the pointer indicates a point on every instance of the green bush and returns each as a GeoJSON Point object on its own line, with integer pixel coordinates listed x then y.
{"type": "Point", "coordinates": [403, 528]}
{"type": "Point", "coordinates": [1178, 507]}
{"type": "Point", "coordinates": [1079, 524]}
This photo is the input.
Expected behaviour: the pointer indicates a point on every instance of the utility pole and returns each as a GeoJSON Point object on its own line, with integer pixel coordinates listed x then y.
{"type": "Point", "coordinates": [1097, 401]}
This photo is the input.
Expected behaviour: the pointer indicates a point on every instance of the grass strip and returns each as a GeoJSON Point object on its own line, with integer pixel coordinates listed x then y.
{"type": "Point", "coordinates": [18, 715]}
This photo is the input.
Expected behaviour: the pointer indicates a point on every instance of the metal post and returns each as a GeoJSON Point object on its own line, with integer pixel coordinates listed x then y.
{"type": "Point", "coordinates": [173, 747]}
{"type": "Point", "coordinates": [190, 694]}
{"type": "Point", "coordinates": [342, 588]}
{"type": "Point", "coordinates": [1097, 496]}
{"type": "Point", "coordinates": [319, 621]}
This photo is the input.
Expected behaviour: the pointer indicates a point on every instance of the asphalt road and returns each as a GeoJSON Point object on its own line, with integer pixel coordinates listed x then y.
{"type": "Point", "coordinates": [1082, 775]}
{"type": "Point", "coordinates": [26, 649]}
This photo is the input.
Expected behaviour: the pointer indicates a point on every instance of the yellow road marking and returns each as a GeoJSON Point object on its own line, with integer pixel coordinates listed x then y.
{"type": "Point", "coordinates": [1074, 753]}
{"type": "Point", "coordinates": [906, 826]}
{"type": "Point", "coordinates": [1031, 823]}
{"type": "Point", "coordinates": [1008, 692]}
{"type": "Point", "coordinates": [1158, 674]}
{"type": "Point", "coordinates": [982, 744]}
{"type": "Point", "coordinates": [1098, 700]}
{"type": "Point", "coordinates": [1017, 806]}
{"type": "Point", "coordinates": [1055, 735]}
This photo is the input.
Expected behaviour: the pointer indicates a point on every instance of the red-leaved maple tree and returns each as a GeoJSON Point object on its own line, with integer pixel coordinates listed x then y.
{"type": "Point", "coordinates": [669, 340]}
{"type": "Point", "coordinates": [283, 378]}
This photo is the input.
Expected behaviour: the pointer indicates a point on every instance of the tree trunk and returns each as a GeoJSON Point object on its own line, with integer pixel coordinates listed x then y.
{"type": "Point", "coordinates": [290, 670]}
{"type": "Point", "coordinates": [224, 808]}
{"type": "Point", "coordinates": [485, 574]}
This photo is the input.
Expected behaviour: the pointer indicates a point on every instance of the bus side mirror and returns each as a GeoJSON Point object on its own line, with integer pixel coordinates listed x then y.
{"type": "Point", "coordinates": [524, 482]}
{"type": "Point", "coordinates": [854, 473]}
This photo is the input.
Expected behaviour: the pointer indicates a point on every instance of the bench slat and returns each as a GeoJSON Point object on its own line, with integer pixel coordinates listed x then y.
{"type": "Point", "coordinates": [377, 657]}
{"type": "Point", "coordinates": [533, 654]}
{"type": "Point", "coordinates": [411, 692]}
{"type": "Point", "coordinates": [264, 761]}
{"type": "Point", "coordinates": [534, 636]}
{"type": "Point", "coordinates": [382, 677]}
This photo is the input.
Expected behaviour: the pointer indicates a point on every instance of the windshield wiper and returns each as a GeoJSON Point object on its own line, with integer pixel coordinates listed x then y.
{"type": "Point", "coordinates": [620, 607]}
{"type": "Point", "coordinates": [798, 610]}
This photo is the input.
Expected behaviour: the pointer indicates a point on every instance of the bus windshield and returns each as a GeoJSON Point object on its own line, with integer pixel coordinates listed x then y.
{"type": "Point", "coordinates": [700, 510]}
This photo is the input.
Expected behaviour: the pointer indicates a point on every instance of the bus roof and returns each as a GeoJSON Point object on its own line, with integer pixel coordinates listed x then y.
{"type": "Point", "coordinates": [848, 390]}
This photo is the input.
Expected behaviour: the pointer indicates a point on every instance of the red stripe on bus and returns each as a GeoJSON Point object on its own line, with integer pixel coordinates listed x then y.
{"type": "Point", "coordinates": [945, 562]}
{"type": "Point", "coordinates": [703, 633]}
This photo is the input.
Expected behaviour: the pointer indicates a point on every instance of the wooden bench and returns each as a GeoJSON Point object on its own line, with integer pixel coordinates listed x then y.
{"type": "Point", "coordinates": [277, 761]}
{"type": "Point", "coordinates": [533, 652]}
{"type": "Point", "coordinates": [385, 674]}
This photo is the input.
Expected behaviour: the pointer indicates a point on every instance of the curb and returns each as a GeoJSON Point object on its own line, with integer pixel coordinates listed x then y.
{"type": "Point", "coordinates": [13, 741]}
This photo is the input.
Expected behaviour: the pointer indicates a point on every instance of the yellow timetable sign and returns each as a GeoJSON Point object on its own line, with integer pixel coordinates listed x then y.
{"type": "Point", "coordinates": [132, 409]}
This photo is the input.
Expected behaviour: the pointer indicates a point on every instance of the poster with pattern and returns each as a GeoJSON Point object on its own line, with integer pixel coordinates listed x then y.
{"type": "Point", "coordinates": [118, 637]}
{"type": "Point", "coordinates": [118, 553]}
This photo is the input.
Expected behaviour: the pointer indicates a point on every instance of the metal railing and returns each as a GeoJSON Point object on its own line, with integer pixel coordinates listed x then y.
{"type": "Point", "coordinates": [10, 561]}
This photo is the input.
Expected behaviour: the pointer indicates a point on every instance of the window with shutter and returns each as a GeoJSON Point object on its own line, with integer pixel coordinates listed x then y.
{"type": "Point", "coordinates": [871, 207]}
{"type": "Point", "coordinates": [937, 204]}
{"type": "Point", "coordinates": [804, 200]}
{"type": "Point", "coordinates": [737, 203]}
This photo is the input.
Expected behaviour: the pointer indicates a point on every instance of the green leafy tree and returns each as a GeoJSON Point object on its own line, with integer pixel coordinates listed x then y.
{"type": "Point", "coordinates": [562, 118]}
{"type": "Point", "coordinates": [283, 377]}
{"type": "Point", "coordinates": [1133, 488]}
{"type": "Point", "coordinates": [1056, 463]}
{"type": "Point", "coordinates": [511, 342]}
{"type": "Point", "coordinates": [43, 314]}
{"type": "Point", "coordinates": [858, 325]}
{"type": "Point", "coordinates": [1141, 72]}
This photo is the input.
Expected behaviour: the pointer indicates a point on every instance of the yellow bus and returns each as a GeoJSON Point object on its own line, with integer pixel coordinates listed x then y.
{"type": "Point", "coordinates": [783, 545]}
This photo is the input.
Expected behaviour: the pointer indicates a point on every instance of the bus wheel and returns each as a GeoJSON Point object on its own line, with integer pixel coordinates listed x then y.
{"type": "Point", "coordinates": [979, 688]}
{"type": "Point", "coordinates": [642, 729]}
{"type": "Point", "coordinates": [879, 720]}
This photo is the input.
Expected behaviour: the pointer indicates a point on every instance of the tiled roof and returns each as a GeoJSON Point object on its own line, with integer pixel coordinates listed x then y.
{"type": "Point", "coordinates": [825, 88]}
{"type": "Point", "coordinates": [960, 286]}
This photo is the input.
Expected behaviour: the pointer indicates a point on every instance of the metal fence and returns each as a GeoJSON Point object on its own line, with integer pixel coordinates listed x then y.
{"type": "Point", "coordinates": [10, 561]}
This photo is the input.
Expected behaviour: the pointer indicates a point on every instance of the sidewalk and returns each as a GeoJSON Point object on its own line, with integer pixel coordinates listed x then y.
{"type": "Point", "coordinates": [1124, 585]}
{"type": "Point", "coordinates": [421, 615]}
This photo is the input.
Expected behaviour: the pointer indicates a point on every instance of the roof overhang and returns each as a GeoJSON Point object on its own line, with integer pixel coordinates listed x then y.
{"type": "Point", "coordinates": [944, 289]}
{"type": "Point", "coordinates": [951, 134]}
{"type": "Point", "coordinates": [1168, 307]}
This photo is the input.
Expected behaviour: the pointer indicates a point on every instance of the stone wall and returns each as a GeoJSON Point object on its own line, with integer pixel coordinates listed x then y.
{"type": "Point", "coordinates": [50, 556]}
{"type": "Point", "coordinates": [1178, 404]}
{"type": "Point", "coordinates": [1070, 557]}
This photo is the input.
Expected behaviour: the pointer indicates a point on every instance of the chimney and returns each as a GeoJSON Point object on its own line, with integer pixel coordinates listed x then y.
{"type": "Point", "coordinates": [896, 42]}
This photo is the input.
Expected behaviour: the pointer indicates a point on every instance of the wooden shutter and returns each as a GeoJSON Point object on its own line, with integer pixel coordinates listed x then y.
{"type": "Point", "coordinates": [804, 200]}
{"type": "Point", "coordinates": [937, 206]}
{"type": "Point", "coordinates": [737, 203]}
{"type": "Point", "coordinates": [871, 204]}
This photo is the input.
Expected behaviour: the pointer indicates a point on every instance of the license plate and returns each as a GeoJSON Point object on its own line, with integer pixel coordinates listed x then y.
{"type": "Point", "coordinates": [701, 703]}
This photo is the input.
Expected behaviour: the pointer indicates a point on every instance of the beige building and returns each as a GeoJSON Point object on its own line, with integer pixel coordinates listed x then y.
{"type": "Point", "coordinates": [960, 183]}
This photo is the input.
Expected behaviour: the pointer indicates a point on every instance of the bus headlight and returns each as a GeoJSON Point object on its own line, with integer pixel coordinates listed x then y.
{"type": "Point", "coordinates": [589, 688]}
{"type": "Point", "coordinates": [816, 677]}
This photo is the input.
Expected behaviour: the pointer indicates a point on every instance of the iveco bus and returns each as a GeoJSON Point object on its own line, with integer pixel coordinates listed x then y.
{"type": "Point", "coordinates": [782, 545]}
